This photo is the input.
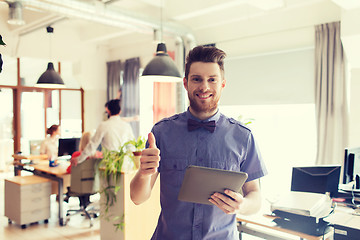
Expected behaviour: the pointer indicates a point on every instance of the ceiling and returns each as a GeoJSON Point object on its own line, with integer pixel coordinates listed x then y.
{"type": "Point", "coordinates": [120, 22]}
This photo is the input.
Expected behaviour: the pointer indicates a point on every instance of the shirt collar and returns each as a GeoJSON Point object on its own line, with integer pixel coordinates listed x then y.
{"type": "Point", "coordinates": [215, 117]}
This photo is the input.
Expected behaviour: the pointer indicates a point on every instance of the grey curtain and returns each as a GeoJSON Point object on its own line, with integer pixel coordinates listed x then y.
{"type": "Point", "coordinates": [330, 95]}
{"type": "Point", "coordinates": [113, 79]}
{"type": "Point", "coordinates": [130, 97]}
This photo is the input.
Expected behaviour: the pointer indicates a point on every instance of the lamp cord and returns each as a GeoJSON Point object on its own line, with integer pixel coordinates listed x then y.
{"type": "Point", "coordinates": [161, 21]}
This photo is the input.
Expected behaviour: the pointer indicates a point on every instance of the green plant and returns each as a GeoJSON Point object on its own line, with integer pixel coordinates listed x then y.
{"type": "Point", "coordinates": [111, 169]}
{"type": "Point", "coordinates": [138, 143]}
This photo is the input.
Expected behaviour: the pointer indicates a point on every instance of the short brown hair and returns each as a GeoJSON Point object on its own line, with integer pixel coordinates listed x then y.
{"type": "Point", "coordinates": [205, 54]}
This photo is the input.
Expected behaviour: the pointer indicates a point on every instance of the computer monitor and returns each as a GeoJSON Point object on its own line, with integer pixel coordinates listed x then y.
{"type": "Point", "coordinates": [351, 171]}
{"type": "Point", "coordinates": [316, 179]}
{"type": "Point", "coordinates": [67, 146]}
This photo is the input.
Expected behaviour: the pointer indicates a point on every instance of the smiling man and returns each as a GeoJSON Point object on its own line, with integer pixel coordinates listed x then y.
{"type": "Point", "coordinates": [200, 136]}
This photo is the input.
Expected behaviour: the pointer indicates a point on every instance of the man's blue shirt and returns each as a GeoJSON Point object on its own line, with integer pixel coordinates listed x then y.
{"type": "Point", "coordinates": [230, 147]}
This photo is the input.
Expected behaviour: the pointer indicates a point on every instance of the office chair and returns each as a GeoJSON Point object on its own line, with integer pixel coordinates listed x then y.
{"type": "Point", "coordinates": [84, 183]}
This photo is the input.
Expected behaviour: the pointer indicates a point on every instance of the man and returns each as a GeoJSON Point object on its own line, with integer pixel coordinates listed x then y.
{"type": "Point", "coordinates": [111, 134]}
{"type": "Point", "coordinates": [224, 144]}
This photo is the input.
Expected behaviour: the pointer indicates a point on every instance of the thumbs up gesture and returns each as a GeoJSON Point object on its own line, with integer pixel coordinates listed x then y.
{"type": "Point", "coordinates": [150, 157]}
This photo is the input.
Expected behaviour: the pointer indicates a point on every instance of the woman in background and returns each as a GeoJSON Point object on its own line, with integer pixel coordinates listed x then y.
{"type": "Point", "coordinates": [84, 140]}
{"type": "Point", "coordinates": [51, 143]}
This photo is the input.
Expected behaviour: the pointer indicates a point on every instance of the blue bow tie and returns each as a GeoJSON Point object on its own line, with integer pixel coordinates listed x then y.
{"type": "Point", "coordinates": [193, 125]}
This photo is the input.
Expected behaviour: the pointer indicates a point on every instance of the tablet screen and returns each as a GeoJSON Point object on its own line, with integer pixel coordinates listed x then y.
{"type": "Point", "coordinates": [201, 182]}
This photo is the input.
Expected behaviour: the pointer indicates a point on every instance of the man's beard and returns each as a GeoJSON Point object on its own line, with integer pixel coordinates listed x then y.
{"type": "Point", "coordinates": [203, 108]}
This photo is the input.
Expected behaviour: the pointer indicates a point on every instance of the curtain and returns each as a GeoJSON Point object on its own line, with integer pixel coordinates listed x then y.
{"type": "Point", "coordinates": [164, 100]}
{"type": "Point", "coordinates": [113, 79]}
{"type": "Point", "coordinates": [330, 95]}
{"type": "Point", "coordinates": [130, 92]}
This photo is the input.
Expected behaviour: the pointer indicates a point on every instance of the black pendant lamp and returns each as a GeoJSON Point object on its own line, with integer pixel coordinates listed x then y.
{"type": "Point", "coordinates": [50, 78]}
{"type": "Point", "coordinates": [161, 68]}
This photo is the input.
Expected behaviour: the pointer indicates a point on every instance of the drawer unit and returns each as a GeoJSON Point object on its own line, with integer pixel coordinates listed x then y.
{"type": "Point", "coordinates": [27, 199]}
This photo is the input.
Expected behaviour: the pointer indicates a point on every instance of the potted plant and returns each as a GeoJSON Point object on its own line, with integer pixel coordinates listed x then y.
{"type": "Point", "coordinates": [111, 170]}
{"type": "Point", "coordinates": [112, 167]}
{"type": "Point", "coordinates": [139, 145]}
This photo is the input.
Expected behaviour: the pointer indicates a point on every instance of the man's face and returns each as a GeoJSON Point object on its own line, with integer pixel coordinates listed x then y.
{"type": "Point", "coordinates": [204, 86]}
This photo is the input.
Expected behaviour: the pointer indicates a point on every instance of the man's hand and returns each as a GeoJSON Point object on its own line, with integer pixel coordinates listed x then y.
{"type": "Point", "coordinates": [143, 182]}
{"type": "Point", "coordinates": [150, 157]}
{"type": "Point", "coordinates": [229, 203]}
{"type": "Point", "coordinates": [74, 161]}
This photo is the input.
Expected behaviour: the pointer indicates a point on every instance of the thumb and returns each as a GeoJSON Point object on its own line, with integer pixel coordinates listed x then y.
{"type": "Point", "coordinates": [151, 140]}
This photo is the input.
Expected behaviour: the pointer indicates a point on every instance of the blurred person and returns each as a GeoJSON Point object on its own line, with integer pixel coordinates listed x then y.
{"type": "Point", "coordinates": [51, 143]}
{"type": "Point", "coordinates": [111, 134]}
{"type": "Point", "coordinates": [84, 140]}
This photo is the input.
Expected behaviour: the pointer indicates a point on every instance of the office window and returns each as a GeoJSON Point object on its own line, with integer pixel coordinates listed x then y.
{"type": "Point", "coordinates": [32, 119]}
{"type": "Point", "coordinates": [286, 134]}
{"type": "Point", "coordinates": [38, 108]}
{"type": "Point", "coordinates": [6, 126]}
{"type": "Point", "coordinates": [71, 123]}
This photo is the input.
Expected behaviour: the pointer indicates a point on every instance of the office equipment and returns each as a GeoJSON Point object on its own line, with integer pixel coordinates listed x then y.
{"type": "Point", "coordinates": [346, 223]}
{"type": "Point", "coordinates": [305, 207]}
{"type": "Point", "coordinates": [27, 199]}
{"type": "Point", "coordinates": [264, 227]}
{"type": "Point", "coordinates": [84, 182]}
{"type": "Point", "coordinates": [305, 224]}
{"type": "Point", "coordinates": [316, 179]}
{"type": "Point", "coordinates": [351, 170]}
{"type": "Point", "coordinates": [303, 212]}
{"type": "Point", "coordinates": [304, 203]}
{"type": "Point", "coordinates": [67, 146]}
{"type": "Point", "coordinates": [200, 183]}
{"type": "Point", "coordinates": [345, 233]}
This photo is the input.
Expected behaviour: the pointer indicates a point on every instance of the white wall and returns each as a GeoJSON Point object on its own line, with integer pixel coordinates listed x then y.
{"type": "Point", "coordinates": [273, 78]}
{"type": "Point", "coordinates": [350, 36]}
{"type": "Point", "coordinates": [354, 121]}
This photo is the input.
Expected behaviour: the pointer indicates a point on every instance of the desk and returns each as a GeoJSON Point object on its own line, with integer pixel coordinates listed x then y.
{"type": "Point", "coordinates": [41, 168]}
{"type": "Point", "coordinates": [262, 226]}
{"type": "Point", "coordinates": [346, 222]}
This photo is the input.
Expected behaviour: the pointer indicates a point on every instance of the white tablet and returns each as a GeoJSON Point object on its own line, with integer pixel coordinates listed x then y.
{"type": "Point", "coordinates": [201, 182]}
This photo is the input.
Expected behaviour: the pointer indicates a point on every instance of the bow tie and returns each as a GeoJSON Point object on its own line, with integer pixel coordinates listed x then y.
{"type": "Point", "coordinates": [193, 125]}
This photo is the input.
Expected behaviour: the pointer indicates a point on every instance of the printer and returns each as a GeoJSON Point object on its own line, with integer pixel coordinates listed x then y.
{"type": "Point", "coordinates": [303, 212]}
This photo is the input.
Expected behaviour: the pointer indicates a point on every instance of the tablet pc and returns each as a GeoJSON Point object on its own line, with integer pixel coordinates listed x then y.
{"type": "Point", "coordinates": [201, 182]}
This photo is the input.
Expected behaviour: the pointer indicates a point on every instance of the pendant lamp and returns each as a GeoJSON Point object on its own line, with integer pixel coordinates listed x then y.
{"type": "Point", "coordinates": [50, 78]}
{"type": "Point", "coordinates": [161, 68]}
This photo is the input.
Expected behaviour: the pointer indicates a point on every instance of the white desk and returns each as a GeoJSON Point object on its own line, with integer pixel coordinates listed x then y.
{"type": "Point", "coordinates": [41, 168]}
{"type": "Point", "coordinates": [262, 226]}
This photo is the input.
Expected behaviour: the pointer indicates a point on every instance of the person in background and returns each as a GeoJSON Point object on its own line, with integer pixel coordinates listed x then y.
{"type": "Point", "coordinates": [200, 136]}
{"type": "Point", "coordinates": [111, 134]}
{"type": "Point", "coordinates": [84, 140]}
{"type": "Point", "coordinates": [51, 143]}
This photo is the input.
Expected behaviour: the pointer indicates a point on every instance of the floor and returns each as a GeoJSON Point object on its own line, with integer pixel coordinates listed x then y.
{"type": "Point", "coordinates": [77, 228]}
